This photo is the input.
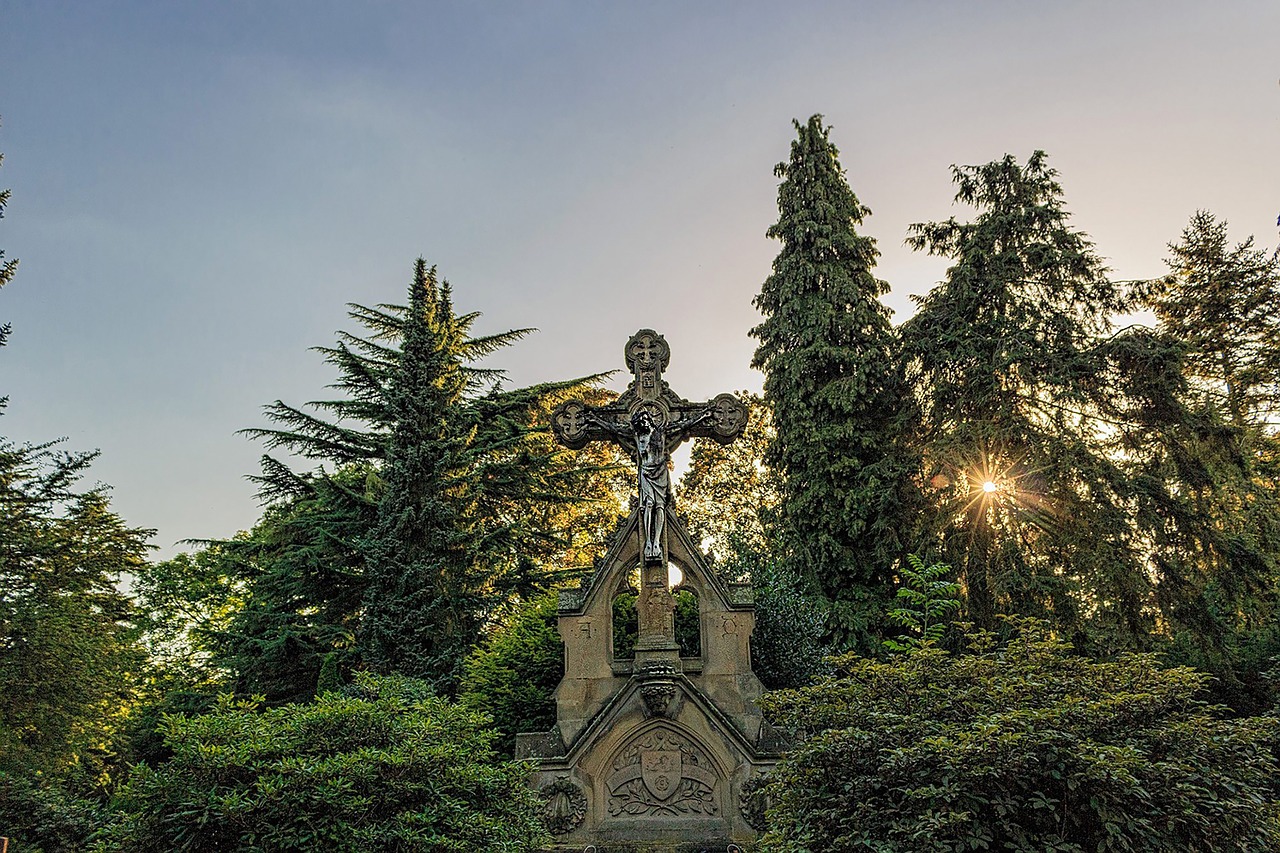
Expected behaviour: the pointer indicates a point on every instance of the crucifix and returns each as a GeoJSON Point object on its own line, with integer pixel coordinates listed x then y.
{"type": "Point", "coordinates": [649, 420]}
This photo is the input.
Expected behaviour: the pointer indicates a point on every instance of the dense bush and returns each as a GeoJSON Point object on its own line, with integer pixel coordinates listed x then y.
{"type": "Point", "coordinates": [787, 646]}
{"type": "Point", "coordinates": [45, 817]}
{"type": "Point", "coordinates": [386, 768]}
{"type": "Point", "coordinates": [512, 675]}
{"type": "Point", "coordinates": [1018, 748]}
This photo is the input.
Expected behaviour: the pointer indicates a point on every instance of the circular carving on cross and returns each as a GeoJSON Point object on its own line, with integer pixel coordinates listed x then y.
{"type": "Point", "coordinates": [564, 806]}
{"type": "Point", "coordinates": [753, 802]}
{"type": "Point", "coordinates": [728, 418]}
{"type": "Point", "coordinates": [647, 350]}
{"type": "Point", "coordinates": [659, 411]}
{"type": "Point", "coordinates": [569, 424]}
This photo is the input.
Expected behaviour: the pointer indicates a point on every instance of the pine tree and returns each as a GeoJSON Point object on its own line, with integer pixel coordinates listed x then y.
{"type": "Point", "coordinates": [1003, 357]}
{"type": "Point", "coordinates": [1200, 391]}
{"type": "Point", "coordinates": [1221, 303]}
{"type": "Point", "coordinates": [825, 347]}
{"type": "Point", "coordinates": [425, 597]}
{"type": "Point", "coordinates": [67, 640]}
{"type": "Point", "coordinates": [330, 534]}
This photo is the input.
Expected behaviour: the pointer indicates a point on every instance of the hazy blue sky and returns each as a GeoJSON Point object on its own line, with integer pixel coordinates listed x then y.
{"type": "Point", "coordinates": [198, 189]}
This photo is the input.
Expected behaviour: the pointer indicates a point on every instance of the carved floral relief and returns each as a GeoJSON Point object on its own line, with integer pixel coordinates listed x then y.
{"type": "Point", "coordinates": [662, 773]}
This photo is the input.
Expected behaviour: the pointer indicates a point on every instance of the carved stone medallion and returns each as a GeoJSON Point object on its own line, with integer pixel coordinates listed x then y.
{"type": "Point", "coordinates": [569, 423]}
{"type": "Point", "coordinates": [564, 806]}
{"type": "Point", "coordinates": [753, 802]}
{"type": "Point", "coordinates": [662, 773]}
{"type": "Point", "coordinates": [728, 418]}
{"type": "Point", "coordinates": [647, 350]}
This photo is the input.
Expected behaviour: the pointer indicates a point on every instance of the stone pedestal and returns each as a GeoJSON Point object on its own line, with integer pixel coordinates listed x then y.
{"type": "Point", "coordinates": [656, 749]}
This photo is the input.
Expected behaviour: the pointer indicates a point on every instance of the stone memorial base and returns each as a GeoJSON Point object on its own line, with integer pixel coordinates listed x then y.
{"type": "Point", "coordinates": [657, 751]}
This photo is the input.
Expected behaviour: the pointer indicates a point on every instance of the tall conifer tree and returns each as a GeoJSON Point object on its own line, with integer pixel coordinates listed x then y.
{"type": "Point", "coordinates": [316, 566]}
{"type": "Point", "coordinates": [1202, 392]}
{"type": "Point", "coordinates": [1003, 357]}
{"type": "Point", "coordinates": [422, 608]}
{"type": "Point", "coordinates": [825, 349]}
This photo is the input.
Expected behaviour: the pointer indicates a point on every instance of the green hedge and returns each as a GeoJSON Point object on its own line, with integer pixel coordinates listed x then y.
{"type": "Point", "coordinates": [389, 768]}
{"type": "Point", "coordinates": [1023, 747]}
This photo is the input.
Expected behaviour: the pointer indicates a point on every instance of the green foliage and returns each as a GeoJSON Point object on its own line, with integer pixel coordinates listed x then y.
{"type": "Point", "coordinates": [321, 567]}
{"type": "Point", "coordinates": [302, 573]}
{"type": "Point", "coordinates": [392, 768]}
{"type": "Point", "coordinates": [787, 647]}
{"type": "Point", "coordinates": [68, 645]}
{"type": "Point", "coordinates": [1220, 302]}
{"type": "Point", "coordinates": [727, 492]}
{"type": "Point", "coordinates": [1003, 356]}
{"type": "Point", "coordinates": [688, 623]}
{"type": "Point", "coordinates": [43, 817]}
{"type": "Point", "coordinates": [1199, 396]}
{"type": "Point", "coordinates": [626, 626]}
{"type": "Point", "coordinates": [1018, 748]}
{"type": "Point", "coordinates": [513, 673]}
{"type": "Point", "coordinates": [162, 699]}
{"type": "Point", "coordinates": [926, 598]}
{"type": "Point", "coordinates": [426, 594]}
{"type": "Point", "coordinates": [835, 396]}
{"type": "Point", "coordinates": [185, 604]}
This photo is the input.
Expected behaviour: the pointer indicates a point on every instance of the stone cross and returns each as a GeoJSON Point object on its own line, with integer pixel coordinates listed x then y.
{"type": "Point", "coordinates": [649, 420]}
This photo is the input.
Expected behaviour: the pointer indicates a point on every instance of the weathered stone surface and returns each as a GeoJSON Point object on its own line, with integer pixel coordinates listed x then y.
{"type": "Point", "coordinates": [663, 749]}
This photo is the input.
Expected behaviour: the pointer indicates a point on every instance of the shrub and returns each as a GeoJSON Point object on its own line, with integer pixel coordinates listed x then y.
{"type": "Point", "coordinates": [787, 647]}
{"type": "Point", "coordinates": [45, 817]}
{"type": "Point", "coordinates": [386, 767]}
{"type": "Point", "coordinates": [1025, 747]}
{"type": "Point", "coordinates": [512, 675]}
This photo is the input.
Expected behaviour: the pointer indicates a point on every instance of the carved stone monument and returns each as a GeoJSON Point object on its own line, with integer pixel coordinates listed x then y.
{"type": "Point", "coordinates": [666, 743]}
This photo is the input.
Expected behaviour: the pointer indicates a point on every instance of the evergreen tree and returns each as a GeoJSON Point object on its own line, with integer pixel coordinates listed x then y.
{"type": "Point", "coordinates": [1220, 302]}
{"type": "Point", "coordinates": [1200, 391]}
{"type": "Point", "coordinates": [728, 493]}
{"type": "Point", "coordinates": [527, 503]}
{"type": "Point", "coordinates": [302, 570]}
{"type": "Point", "coordinates": [825, 348]}
{"type": "Point", "coordinates": [68, 645]}
{"type": "Point", "coordinates": [426, 590]}
{"type": "Point", "coordinates": [1003, 356]}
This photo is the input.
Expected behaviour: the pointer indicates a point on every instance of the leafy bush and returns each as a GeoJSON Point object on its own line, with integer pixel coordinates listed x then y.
{"type": "Point", "coordinates": [386, 768]}
{"type": "Point", "coordinates": [1025, 747]}
{"type": "Point", "coordinates": [925, 599]}
{"type": "Point", "coordinates": [46, 818]}
{"type": "Point", "coordinates": [512, 675]}
{"type": "Point", "coordinates": [787, 647]}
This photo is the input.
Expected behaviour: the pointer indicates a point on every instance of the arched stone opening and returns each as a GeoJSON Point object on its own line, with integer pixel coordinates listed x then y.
{"type": "Point", "coordinates": [625, 618]}
{"type": "Point", "coordinates": [688, 622]}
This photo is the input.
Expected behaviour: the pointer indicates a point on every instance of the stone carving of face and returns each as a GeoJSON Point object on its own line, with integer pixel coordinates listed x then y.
{"type": "Point", "coordinates": [642, 421]}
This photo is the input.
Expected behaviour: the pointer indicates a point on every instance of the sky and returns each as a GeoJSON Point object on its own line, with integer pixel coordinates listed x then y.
{"type": "Point", "coordinates": [198, 190]}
